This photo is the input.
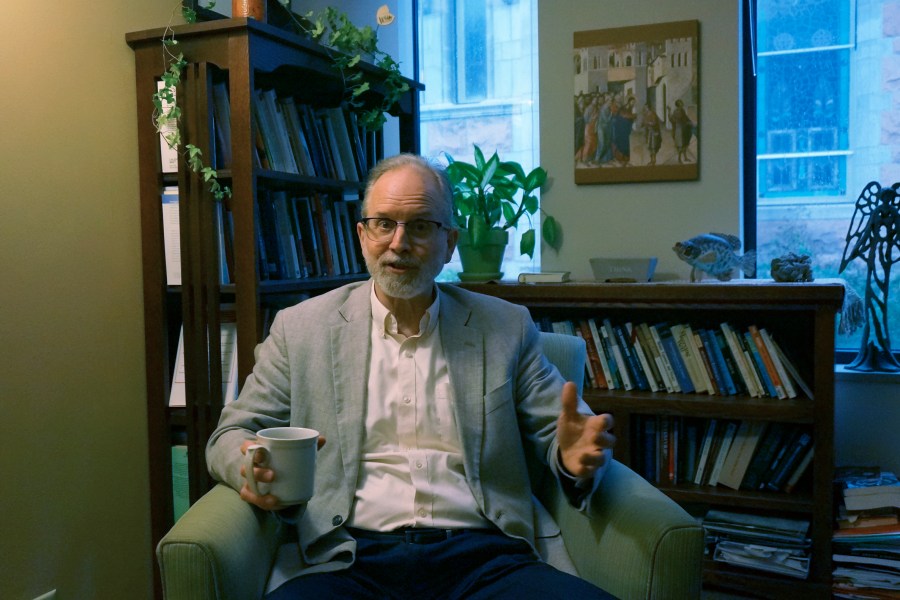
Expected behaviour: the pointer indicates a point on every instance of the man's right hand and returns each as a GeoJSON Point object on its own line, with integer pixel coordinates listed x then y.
{"type": "Point", "coordinates": [263, 475]}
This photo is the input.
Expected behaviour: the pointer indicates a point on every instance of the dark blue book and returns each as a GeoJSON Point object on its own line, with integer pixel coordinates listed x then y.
{"type": "Point", "coordinates": [717, 360]}
{"type": "Point", "coordinates": [759, 365]}
{"type": "Point", "coordinates": [668, 342]}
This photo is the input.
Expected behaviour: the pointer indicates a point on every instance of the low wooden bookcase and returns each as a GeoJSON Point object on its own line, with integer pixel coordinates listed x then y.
{"type": "Point", "coordinates": [802, 316]}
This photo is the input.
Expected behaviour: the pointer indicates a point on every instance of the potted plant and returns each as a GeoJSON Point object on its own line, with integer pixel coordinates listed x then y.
{"type": "Point", "coordinates": [489, 198]}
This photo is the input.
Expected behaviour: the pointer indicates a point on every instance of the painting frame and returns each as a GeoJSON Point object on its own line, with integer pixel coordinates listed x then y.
{"type": "Point", "coordinates": [636, 103]}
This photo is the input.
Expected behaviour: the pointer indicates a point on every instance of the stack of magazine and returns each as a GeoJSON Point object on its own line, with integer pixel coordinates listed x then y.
{"type": "Point", "coordinates": [766, 543]}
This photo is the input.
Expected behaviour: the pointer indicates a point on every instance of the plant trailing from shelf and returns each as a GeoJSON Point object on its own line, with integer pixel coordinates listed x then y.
{"type": "Point", "coordinates": [492, 195]}
{"type": "Point", "coordinates": [348, 45]}
{"type": "Point", "coordinates": [167, 112]}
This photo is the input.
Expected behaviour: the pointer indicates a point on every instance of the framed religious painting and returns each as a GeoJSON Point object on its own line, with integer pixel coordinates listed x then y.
{"type": "Point", "coordinates": [637, 103]}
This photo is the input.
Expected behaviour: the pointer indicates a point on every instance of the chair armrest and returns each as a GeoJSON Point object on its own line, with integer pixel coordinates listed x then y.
{"type": "Point", "coordinates": [636, 543]}
{"type": "Point", "coordinates": [220, 548]}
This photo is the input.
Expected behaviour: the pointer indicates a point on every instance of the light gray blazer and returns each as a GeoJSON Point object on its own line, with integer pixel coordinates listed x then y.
{"type": "Point", "coordinates": [312, 371]}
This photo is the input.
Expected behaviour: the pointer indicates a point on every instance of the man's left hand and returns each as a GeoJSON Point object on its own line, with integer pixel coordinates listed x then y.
{"type": "Point", "coordinates": [582, 439]}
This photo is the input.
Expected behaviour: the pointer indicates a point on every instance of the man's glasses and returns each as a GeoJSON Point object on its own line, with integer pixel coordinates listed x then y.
{"type": "Point", "coordinates": [380, 229]}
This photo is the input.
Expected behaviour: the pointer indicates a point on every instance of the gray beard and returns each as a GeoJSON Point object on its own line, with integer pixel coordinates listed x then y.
{"type": "Point", "coordinates": [418, 282]}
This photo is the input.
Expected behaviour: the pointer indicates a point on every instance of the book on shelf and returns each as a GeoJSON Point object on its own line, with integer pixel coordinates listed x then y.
{"type": "Point", "coordinates": [765, 452]}
{"type": "Point", "coordinates": [685, 344]}
{"type": "Point", "coordinates": [740, 359]}
{"type": "Point", "coordinates": [168, 154]}
{"type": "Point", "coordinates": [717, 360]}
{"type": "Point", "coordinates": [703, 460]}
{"type": "Point", "coordinates": [742, 448]}
{"type": "Point", "coordinates": [766, 384]}
{"type": "Point", "coordinates": [597, 374]}
{"type": "Point", "coordinates": [338, 124]}
{"type": "Point", "coordinates": [654, 360]}
{"type": "Point", "coordinates": [705, 361]}
{"type": "Point", "coordinates": [181, 481]}
{"type": "Point", "coordinates": [792, 370]}
{"type": "Point", "coordinates": [228, 353]}
{"type": "Point", "coordinates": [609, 335]}
{"type": "Point", "coordinates": [600, 351]}
{"type": "Point", "coordinates": [670, 347]}
{"type": "Point", "coordinates": [613, 377]}
{"type": "Point", "coordinates": [794, 454]}
{"type": "Point", "coordinates": [297, 137]}
{"type": "Point", "coordinates": [222, 121]}
{"type": "Point", "coordinates": [631, 361]}
{"type": "Point", "coordinates": [862, 490]}
{"type": "Point", "coordinates": [767, 362]}
{"type": "Point", "coordinates": [783, 375]}
{"type": "Point", "coordinates": [671, 378]}
{"type": "Point", "coordinates": [800, 470]}
{"type": "Point", "coordinates": [721, 445]}
{"type": "Point", "coordinates": [691, 434]}
{"type": "Point", "coordinates": [650, 375]}
{"type": "Point", "coordinates": [544, 277]}
{"type": "Point", "coordinates": [171, 223]}
{"type": "Point", "coordinates": [861, 519]}
{"type": "Point", "coordinates": [325, 242]}
{"type": "Point", "coordinates": [590, 380]}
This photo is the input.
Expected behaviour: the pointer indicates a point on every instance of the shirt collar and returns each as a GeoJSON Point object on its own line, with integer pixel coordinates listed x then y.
{"type": "Point", "coordinates": [386, 324]}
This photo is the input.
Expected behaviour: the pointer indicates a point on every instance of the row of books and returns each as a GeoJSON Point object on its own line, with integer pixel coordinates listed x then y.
{"type": "Point", "coordinates": [866, 559]}
{"type": "Point", "coordinates": [678, 357]}
{"type": "Point", "coordinates": [319, 142]}
{"type": "Point", "coordinates": [759, 542]}
{"type": "Point", "coordinates": [745, 455]}
{"type": "Point", "coordinates": [301, 236]}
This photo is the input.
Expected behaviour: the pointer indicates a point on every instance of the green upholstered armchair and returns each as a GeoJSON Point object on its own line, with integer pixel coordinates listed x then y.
{"type": "Point", "coordinates": [638, 543]}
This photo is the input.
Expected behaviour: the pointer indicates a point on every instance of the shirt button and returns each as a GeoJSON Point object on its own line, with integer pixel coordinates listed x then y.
{"type": "Point", "coordinates": [337, 520]}
{"type": "Point", "coordinates": [419, 464]}
{"type": "Point", "coordinates": [407, 354]}
{"type": "Point", "coordinates": [422, 513]}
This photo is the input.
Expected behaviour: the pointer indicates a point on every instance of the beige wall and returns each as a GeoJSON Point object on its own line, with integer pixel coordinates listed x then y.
{"type": "Point", "coordinates": [74, 506]}
{"type": "Point", "coordinates": [646, 219]}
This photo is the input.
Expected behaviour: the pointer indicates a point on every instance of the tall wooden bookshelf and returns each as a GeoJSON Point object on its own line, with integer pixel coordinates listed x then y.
{"type": "Point", "coordinates": [244, 55]}
{"type": "Point", "coordinates": [802, 316]}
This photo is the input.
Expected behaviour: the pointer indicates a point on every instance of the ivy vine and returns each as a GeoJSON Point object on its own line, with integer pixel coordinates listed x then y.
{"type": "Point", "coordinates": [347, 45]}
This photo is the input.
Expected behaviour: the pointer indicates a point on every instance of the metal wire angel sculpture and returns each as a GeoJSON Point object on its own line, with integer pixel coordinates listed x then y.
{"type": "Point", "coordinates": [872, 236]}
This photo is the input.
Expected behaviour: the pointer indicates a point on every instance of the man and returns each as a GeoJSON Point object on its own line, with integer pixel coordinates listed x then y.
{"type": "Point", "coordinates": [429, 398]}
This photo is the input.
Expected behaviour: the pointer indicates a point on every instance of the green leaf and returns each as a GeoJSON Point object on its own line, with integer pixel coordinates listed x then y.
{"type": "Point", "coordinates": [526, 246]}
{"type": "Point", "coordinates": [550, 232]}
{"type": "Point", "coordinates": [535, 179]}
{"type": "Point", "coordinates": [530, 203]}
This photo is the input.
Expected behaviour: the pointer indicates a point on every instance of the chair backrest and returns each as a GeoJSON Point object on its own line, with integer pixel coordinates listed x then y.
{"type": "Point", "coordinates": [568, 353]}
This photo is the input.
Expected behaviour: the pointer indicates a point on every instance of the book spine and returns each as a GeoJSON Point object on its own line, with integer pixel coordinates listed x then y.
{"type": "Point", "coordinates": [684, 344]}
{"type": "Point", "coordinates": [664, 359]}
{"type": "Point", "coordinates": [610, 335]}
{"type": "Point", "coordinates": [794, 478]}
{"type": "Point", "coordinates": [676, 361]}
{"type": "Point", "coordinates": [642, 358]}
{"type": "Point", "coordinates": [766, 359]}
{"type": "Point", "coordinates": [593, 356]}
{"type": "Point", "coordinates": [705, 450]}
{"type": "Point", "coordinates": [737, 356]}
{"type": "Point", "coordinates": [759, 366]}
{"type": "Point", "coordinates": [793, 455]}
{"type": "Point", "coordinates": [601, 353]}
{"type": "Point", "coordinates": [708, 370]}
{"type": "Point", "coordinates": [631, 361]}
{"type": "Point", "coordinates": [722, 454]}
{"type": "Point", "coordinates": [789, 388]}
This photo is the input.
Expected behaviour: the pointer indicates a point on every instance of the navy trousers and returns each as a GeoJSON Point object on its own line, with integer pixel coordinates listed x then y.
{"type": "Point", "coordinates": [472, 564]}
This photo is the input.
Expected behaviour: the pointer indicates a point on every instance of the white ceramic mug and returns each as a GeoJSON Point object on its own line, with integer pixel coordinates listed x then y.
{"type": "Point", "coordinates": [291, 453]}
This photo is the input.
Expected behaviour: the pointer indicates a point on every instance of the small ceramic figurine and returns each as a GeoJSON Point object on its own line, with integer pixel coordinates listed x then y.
{"type": "Point", "coordinates": [714, 253]}
{"type": "Point", "coordinates": [790, 268]}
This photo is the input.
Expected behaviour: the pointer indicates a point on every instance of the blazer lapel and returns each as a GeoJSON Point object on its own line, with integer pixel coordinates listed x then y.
{"type": "Point", "coordinates": [350, 350]}
{"type": "Point", "coordinates": [464, 350]}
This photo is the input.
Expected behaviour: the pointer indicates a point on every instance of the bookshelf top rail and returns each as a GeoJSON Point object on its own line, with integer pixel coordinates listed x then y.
{"type": "Point", "coordinates": [743, 292]}
{"type": "Point", "coordinates": [242, 26]}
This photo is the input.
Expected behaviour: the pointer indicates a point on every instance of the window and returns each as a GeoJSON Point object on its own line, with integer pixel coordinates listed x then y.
{"type": "Point", "coordinates": [478, 61]}
{"type": "Point", "coordinates": [826, 126]}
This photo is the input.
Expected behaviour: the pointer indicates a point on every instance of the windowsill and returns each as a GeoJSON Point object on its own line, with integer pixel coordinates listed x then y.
{"type": "Point", "coordinates": [843, 374]}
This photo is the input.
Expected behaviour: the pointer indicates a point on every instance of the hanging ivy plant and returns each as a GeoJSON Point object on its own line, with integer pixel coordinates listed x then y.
{"type": "Point", "coordinates": [167, 112]}
{"type": "Point", "coordinates": [347, 45]}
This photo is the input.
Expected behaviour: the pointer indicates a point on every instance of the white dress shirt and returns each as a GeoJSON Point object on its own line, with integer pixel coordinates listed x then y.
{"type": "Point", "coordinates": [412, 472]}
